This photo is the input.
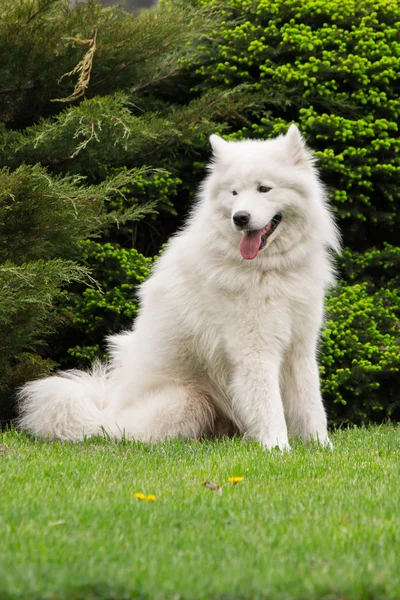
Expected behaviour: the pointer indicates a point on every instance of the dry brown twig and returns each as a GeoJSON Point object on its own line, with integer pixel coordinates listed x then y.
{"type": "Point", "coordinates": [84, 68]}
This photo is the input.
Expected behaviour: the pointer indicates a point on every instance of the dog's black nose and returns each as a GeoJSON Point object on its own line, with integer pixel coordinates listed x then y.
{"type": "Point", "coordinates": [241, 218]}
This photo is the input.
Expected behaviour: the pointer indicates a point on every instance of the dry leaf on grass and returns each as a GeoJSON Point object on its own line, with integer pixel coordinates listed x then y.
{"type": "Point", "coordinates": [213, 486]}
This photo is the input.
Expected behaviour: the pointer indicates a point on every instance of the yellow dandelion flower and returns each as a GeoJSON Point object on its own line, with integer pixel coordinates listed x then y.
{"type": "Point", "coordinates": [235, 479]}
{"type": "Point", "coordinates": [141, 496]}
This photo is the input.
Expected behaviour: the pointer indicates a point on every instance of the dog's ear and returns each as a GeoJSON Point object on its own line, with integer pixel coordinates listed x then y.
{"type": "Point", "coordinates": [218, 145]}
{"type": "Point", "coordinates": [296, 147]}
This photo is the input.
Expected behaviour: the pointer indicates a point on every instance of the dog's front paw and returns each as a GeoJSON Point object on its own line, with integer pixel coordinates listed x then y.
{"type": "Point", "coordinates": [325, 442]}
{"type": "Point", "coordinates": [280, 442]}
{"type": "Point", "coordinates": [322, 439]}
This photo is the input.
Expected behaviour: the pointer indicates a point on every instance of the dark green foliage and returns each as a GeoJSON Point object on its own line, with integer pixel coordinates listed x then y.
{"type": "Point", "coordinates": [44, 40]}
{"type": "Point", "coordinates": [43, 222]}
{"type": "Point", "coordinates": [103, 131]}
{"type": "Point", "coordinates": [98, 312]}
{"type": "Point", "coordinates": [43, 216]}
{"type": "Point", "coordinates": [360, 354]}
{"type": "Point", "coordinates": [28, 294]}
{"type": "Point", "coordinates": [36, 211]}
{"type": "Point", "coordinates": [378, 266]}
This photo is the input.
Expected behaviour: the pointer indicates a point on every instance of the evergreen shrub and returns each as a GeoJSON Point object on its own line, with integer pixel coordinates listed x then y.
{"type": "Point", "coordinates": [360, 354]}
{"type": "Point", "coordinates": [43, 222]}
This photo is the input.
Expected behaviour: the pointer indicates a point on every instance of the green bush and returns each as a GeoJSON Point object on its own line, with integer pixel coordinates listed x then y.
{"type": "Point", "coordinates": [44, 43]}
{"type": "Point", "coordinates": [95, 312]}
{"type": "Point", "coordinates": [360, 355]}
{"type": "Point", "coordinates": [378, 266]}
{"type": "Point", "coordinates": [43, 222]}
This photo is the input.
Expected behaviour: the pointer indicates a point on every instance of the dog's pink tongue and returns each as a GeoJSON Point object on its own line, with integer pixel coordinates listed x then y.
{"type": "Point", "coordinates": [250, 244]}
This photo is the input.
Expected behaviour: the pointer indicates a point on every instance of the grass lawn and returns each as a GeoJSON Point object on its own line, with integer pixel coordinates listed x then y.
{"type": "Point", "coordinates": [302, 525]}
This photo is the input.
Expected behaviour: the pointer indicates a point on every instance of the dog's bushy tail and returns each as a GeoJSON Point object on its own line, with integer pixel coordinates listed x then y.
{"type": "Point", "coordinates": [68, 406]}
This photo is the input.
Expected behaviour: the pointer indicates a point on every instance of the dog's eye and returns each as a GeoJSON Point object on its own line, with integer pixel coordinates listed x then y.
{"type": "Point", "coordinates": [234, 192]}
{"type": "Point", "coordinates": [263, 189]}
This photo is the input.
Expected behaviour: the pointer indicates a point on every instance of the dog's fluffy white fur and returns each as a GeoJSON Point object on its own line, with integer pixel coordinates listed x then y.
{"type": "Point", "coordinates": [223, 339]}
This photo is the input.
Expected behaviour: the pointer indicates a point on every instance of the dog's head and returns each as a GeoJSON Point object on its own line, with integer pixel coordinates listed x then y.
{"type": "Point", "coordinates": [268, 193]}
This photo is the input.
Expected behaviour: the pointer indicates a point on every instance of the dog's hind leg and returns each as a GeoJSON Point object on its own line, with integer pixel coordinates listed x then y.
{"type": "Point", "coordinates": [166, 412]}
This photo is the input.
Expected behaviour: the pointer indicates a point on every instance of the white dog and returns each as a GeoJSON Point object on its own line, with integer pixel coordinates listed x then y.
{"type": "Point", "coordinates": [228, 328]}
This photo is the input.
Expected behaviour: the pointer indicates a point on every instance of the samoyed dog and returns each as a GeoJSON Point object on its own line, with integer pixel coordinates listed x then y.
{"type": "Point", "coordinates": [228, 328]}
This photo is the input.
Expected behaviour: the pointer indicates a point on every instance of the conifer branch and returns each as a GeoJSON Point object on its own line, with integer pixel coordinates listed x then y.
{"type": "Point", "coordinates": [40, 10]}
{"type": "Point", "coordinates": [156, 79]}
{"type": "Point", "coordinates": [19, 88]}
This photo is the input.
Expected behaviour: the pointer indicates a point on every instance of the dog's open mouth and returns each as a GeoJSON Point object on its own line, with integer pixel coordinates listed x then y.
{"type": "Point", "coordinates": [254, 241]}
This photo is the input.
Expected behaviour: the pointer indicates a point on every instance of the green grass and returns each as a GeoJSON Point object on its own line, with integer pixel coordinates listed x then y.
{"type": "Point", "coordinates": [302, 525]}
